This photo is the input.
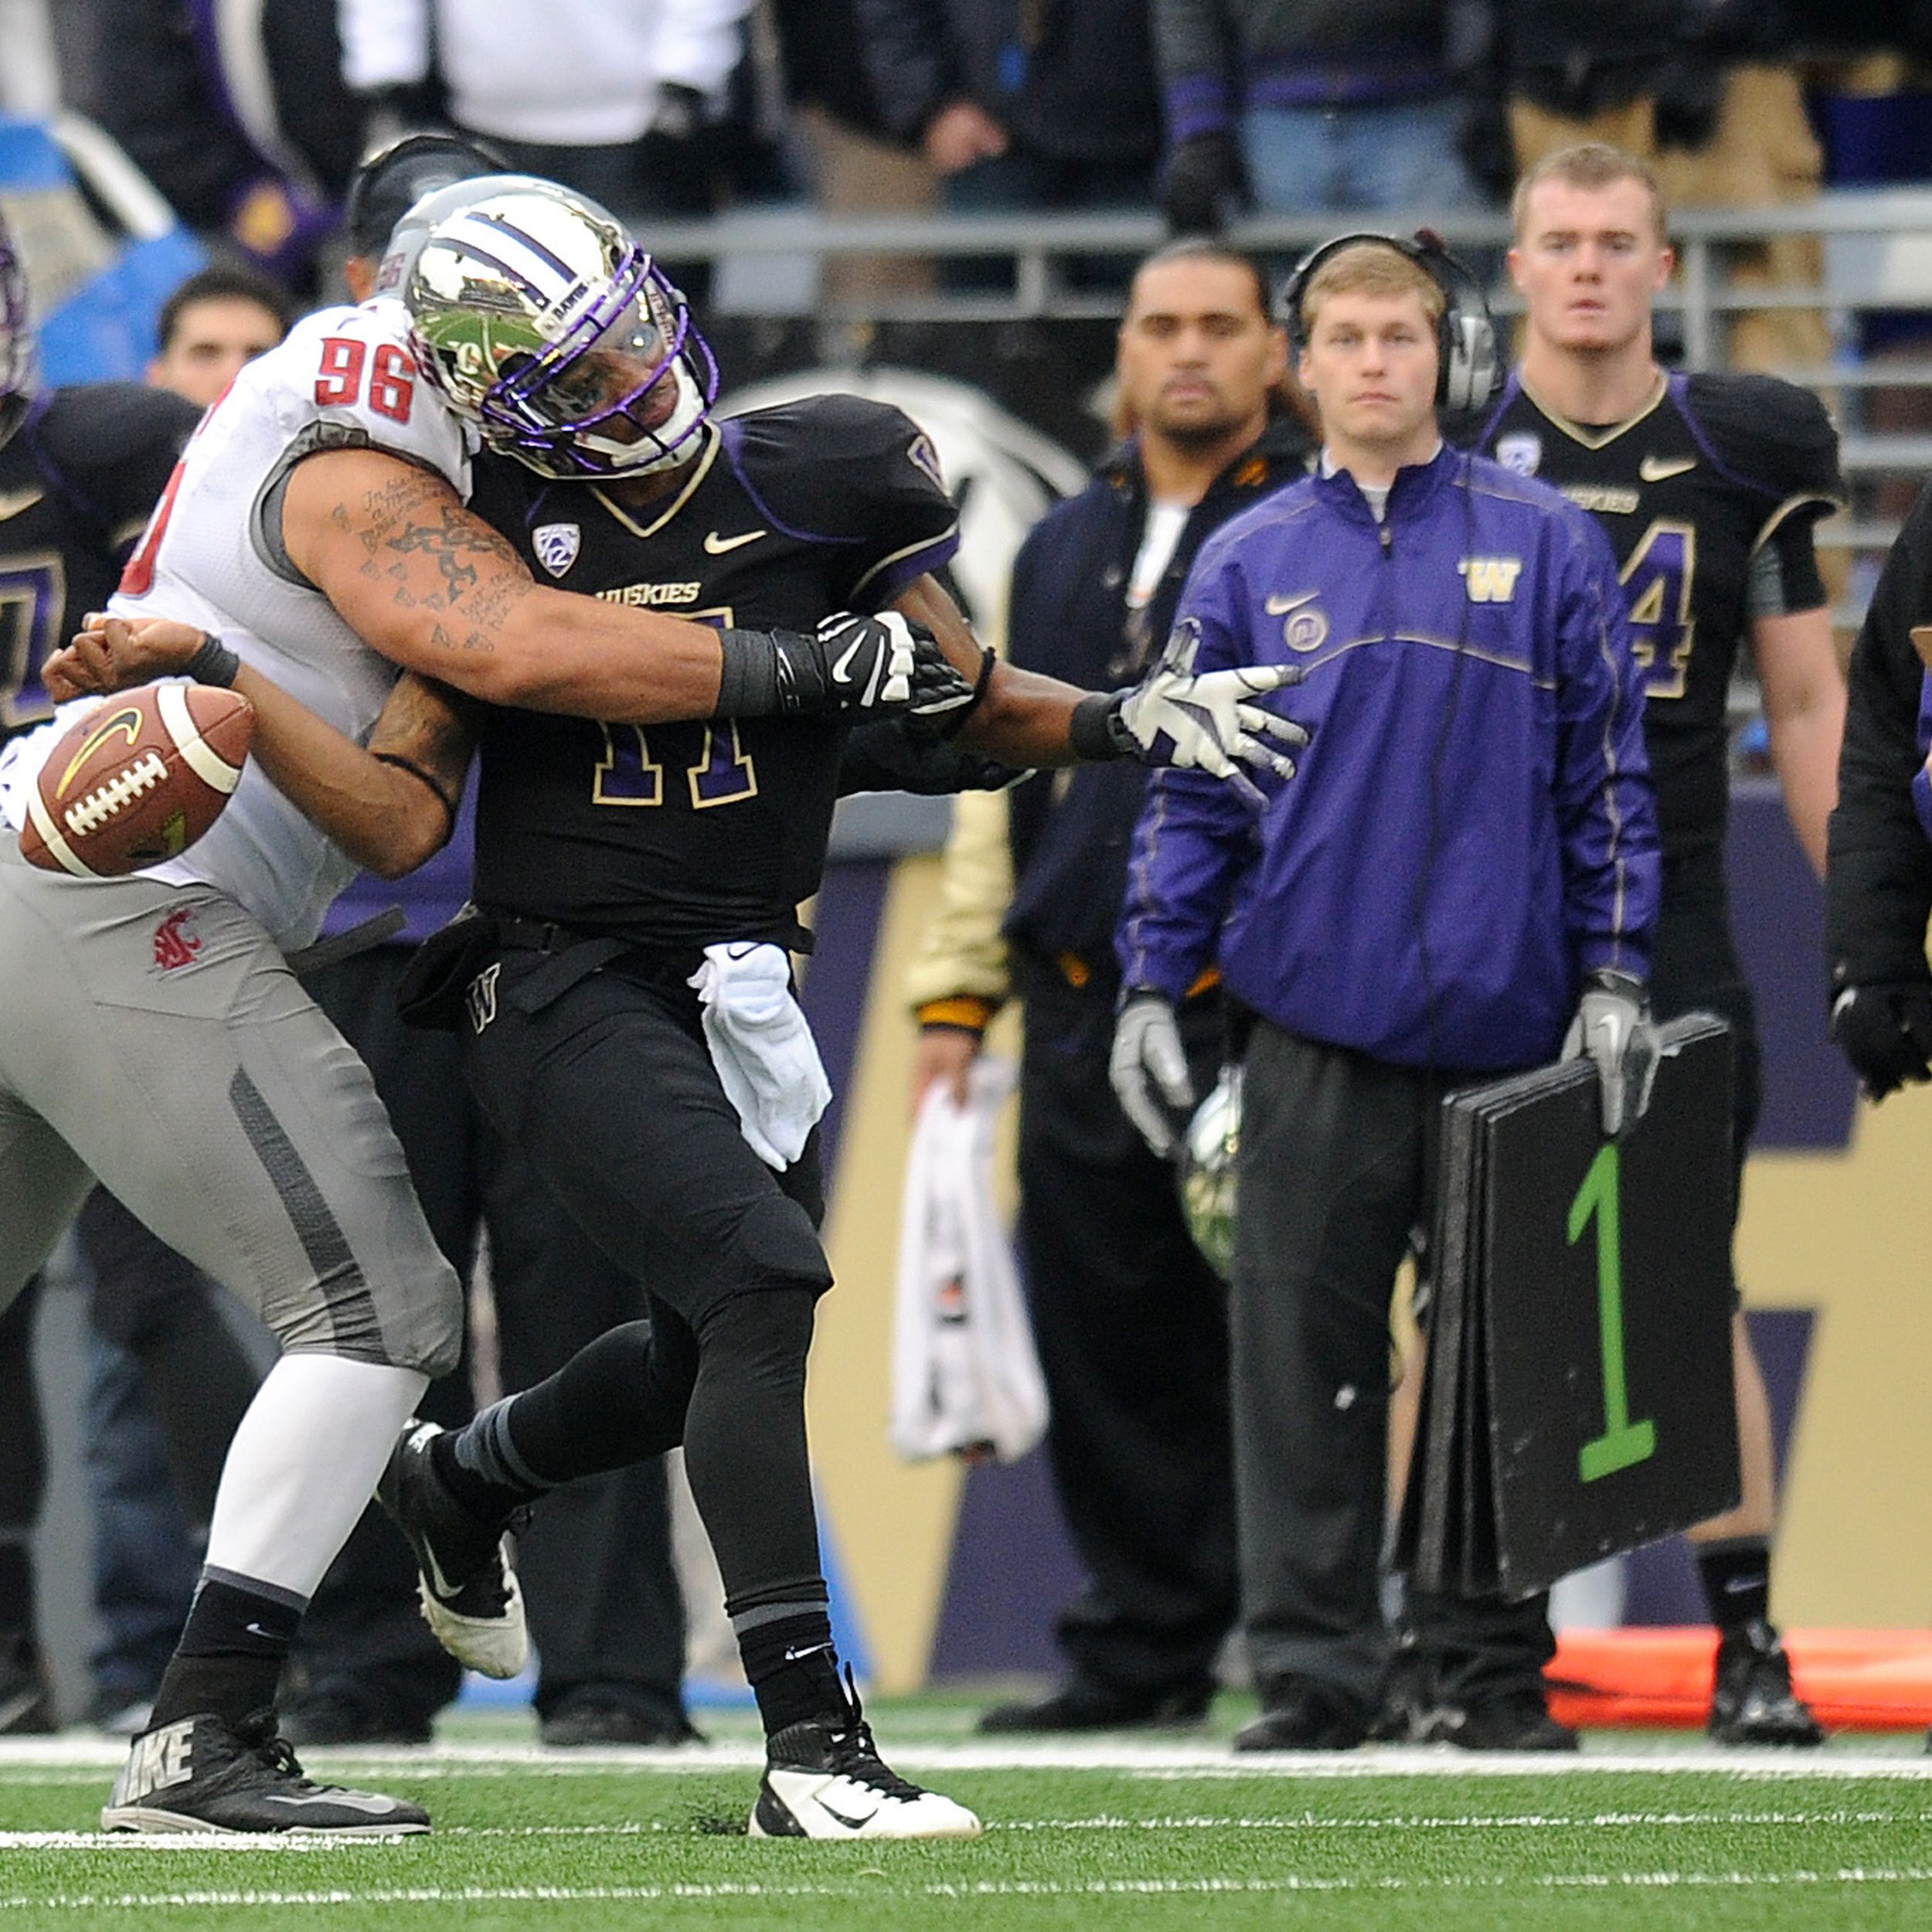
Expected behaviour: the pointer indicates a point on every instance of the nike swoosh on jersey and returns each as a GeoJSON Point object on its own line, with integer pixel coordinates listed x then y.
{"type": "Point", "coordinates": [11, 505]}
{"type": "Point", "coordinates": [1280, 607]}
{"type": "Point", "coordinates": [370, 1801]}
{"type": "Point", "coordinates": [1655, 469]}
{"type": "Point", "coordinates": [717, 546]}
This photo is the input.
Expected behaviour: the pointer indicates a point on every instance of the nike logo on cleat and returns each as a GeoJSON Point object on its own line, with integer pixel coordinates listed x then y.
{"type": "Point", "coordinates": [850, 1824]}
{"type": "Point", "coordinates": [717, 546]}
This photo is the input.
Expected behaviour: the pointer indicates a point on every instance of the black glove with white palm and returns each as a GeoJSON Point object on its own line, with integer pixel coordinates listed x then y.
{"type": "Point", "coordinates": [1613, 1027]}
{"type": "Point", "coordinates": [1149, 1069]}
{"type": "Point", "coordinates": [1207, 721]}
{"type": "Point", "coordinates": [873, 664]}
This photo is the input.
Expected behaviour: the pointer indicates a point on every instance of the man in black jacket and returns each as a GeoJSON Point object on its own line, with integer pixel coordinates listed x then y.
{"type": "Point", "coordinates": [1129, 1319]}
{"type": "Point", "coordinates": [1877, 880]}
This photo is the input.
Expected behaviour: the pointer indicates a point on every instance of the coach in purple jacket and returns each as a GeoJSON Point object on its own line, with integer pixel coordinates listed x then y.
{"type": "Point", "coordinates": [1466, 867]}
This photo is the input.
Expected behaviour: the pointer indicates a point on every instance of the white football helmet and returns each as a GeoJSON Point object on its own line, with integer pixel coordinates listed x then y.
{"type": "Point", "coordinates": [1207, 1157]}
{"type": "Point", "coordinates": [559, 339]}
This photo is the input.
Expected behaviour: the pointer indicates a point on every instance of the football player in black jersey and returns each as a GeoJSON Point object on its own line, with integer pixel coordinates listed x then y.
{"type": "Point", "coordinates": [1708, 487]}
{"type": "Point", "coordinates": [80, 469]}
{"type": "Point", "coordinates": [619, 867]}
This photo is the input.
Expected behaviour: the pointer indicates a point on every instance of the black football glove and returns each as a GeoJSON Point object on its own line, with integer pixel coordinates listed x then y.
{"type": "Point", "coordinates": [871, 664]}
{"type": "Point", "coordinates": [1204, 184]}
{"type": "Point", "coordinates": [1885, 1032]}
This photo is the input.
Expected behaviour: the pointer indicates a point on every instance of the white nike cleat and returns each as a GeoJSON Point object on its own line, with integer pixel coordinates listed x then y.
{"type": "Point", "coordinates": [202, 1774]}
{"type": "Point", "coordinates": [825, 1779]}
{"type": "Point", "coordinates": [470, 1595]}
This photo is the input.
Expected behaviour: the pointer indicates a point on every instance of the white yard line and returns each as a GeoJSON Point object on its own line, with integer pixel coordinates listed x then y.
{"type": "Point", "coordinates": [133, 1843]}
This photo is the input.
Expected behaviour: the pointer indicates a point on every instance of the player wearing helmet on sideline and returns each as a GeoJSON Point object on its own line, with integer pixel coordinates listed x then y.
{"type": "Point", "coordinates": [619, 862]}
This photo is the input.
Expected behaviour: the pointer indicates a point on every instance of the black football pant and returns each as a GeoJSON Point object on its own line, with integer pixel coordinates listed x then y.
{"type": "Point", "coordinates": [601, 1077]}
{"type": "Point", "coordinates": [1337, 1171]}
{"type": "Point", "coordinates": [605, 1612]}
{"type": "Point", "coordinates": [1131, 1323]}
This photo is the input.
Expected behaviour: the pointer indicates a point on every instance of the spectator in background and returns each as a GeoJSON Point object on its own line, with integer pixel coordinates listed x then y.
{"type": "Point", "coordinates": [612, 98]}
{"type": "Point", "coordinates": [237, 113]}
{"type": "Point", "coordinates": [1466, 859]}
{"type": "Point", "coordinates": [1020, 104]}
{"type": "Point", "coordinates": [858, 167]}
{"type": "Point", "coordinates": [214, 323]}
{"type": "Point", "coordinates": [1299, 107]}
{"type": "Point", "coordinates": [1130, 1320]}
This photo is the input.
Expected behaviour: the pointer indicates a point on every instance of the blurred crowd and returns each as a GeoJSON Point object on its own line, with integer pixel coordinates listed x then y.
{"type": "Point", "coordinates": [249, 119]}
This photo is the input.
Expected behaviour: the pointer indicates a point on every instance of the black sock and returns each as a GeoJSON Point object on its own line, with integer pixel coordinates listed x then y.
{"type": "Point", "coordinates": [792, 1669]}
{"type": "Point", "coordinates": [231, 1652]}
{"type": "Point", "coordinates": [1737, 1576]}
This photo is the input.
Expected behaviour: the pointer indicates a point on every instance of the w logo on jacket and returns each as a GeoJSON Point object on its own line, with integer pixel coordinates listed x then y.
{"type": "Point", "coordinates": [1492, 579]}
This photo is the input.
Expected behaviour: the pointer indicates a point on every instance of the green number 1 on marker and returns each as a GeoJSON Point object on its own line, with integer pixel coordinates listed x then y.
{"type": "Point", "coordinates": [1623, 1442]}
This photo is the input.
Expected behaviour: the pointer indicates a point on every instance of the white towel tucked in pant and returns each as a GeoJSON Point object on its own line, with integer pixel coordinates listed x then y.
{"type": "Point", "coordinates": [767, 1060]}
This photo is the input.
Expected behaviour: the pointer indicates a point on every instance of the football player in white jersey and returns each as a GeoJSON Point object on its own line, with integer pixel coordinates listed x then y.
{"type": "Point", "coordinates": [400, 562]}
{"type": "Point", "coordinates": [155, 1036]}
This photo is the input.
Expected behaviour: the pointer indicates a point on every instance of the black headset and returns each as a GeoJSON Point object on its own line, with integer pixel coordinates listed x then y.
{"type": "Point", "coordinates": [1468, 363]}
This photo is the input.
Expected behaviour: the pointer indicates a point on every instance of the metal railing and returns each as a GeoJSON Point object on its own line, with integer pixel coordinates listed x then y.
{"type": "Point", "coordinates": [1877, 248]}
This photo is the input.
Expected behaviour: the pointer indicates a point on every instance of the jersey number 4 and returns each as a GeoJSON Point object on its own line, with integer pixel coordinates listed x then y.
{"type": "Point", "coordinates": [1656, 592]}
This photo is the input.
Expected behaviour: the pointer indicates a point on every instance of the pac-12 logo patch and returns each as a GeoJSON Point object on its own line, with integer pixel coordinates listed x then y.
{"type": "Point", "coordinates": [556, 545]}
{"type": "Point", "coordinates": [1522, 452]}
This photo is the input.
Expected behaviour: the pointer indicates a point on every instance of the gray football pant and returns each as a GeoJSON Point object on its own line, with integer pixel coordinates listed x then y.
{"type": "Point", "coordinates": [154, 1037]}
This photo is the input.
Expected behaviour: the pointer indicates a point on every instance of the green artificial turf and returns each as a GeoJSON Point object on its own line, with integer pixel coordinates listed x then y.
{"type": "Point", "coordinates": [530, 1845]}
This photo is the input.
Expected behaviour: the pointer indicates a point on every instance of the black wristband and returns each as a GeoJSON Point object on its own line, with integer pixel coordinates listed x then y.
{"type": "Point", "coordinates": [214, 663]}
{"type": "Point", "coordinates": [769, 674]}
{"type": "Point", "coordinates": [1090, 729]}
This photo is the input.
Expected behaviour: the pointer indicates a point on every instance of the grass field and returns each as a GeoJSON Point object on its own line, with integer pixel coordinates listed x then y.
{"type": "Point", "coordinates": [1644, 1832]}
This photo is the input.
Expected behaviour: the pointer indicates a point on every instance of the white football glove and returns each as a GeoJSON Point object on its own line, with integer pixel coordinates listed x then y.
{"type": "Point", "coordinates": [1207, 720]}
{"type": "Point", "coordinates": [1613, 1027]}
{"type": "Point", "coordinates": [1146, 1046]}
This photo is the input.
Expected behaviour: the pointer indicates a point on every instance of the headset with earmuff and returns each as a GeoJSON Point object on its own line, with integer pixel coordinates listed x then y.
{"type": "Point", "coordinates": [1468, 362]}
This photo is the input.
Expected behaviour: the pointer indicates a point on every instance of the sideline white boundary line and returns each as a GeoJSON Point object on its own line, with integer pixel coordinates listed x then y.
{"type": "Point", "coordinates": [361, 1899]}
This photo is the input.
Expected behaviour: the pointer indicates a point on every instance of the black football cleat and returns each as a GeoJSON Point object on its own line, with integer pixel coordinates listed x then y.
{"type": "Point", "coordinates": [1752, 1700]}
{"type": "Point", "coordinates": [26, 1699]}
{"type": "Point", "coordinates": [1518, 1722]}
{"type": "Point", "coordinates": [1299, 1715]}
{"type": "Point", "coordinates": [824, 1779]}
{"type": "Point", "coordinates": [470, 1595]}
{"type": "Point", "coordinates": [201, 1775]}
{"type": "Point", "coordinates": [1081, 1706]}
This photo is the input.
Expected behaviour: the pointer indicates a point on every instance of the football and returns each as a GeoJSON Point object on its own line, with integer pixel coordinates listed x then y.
{"type": "Point", "coordinates": [137, 780]}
